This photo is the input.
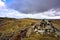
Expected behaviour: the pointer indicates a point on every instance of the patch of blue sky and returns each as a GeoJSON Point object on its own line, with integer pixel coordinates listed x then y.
{"type": "Point", "coordinates": [7, 1]}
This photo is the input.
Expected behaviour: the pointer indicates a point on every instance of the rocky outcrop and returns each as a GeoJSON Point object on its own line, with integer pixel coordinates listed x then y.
{"type": "Point", "coordinates": [43, 27]}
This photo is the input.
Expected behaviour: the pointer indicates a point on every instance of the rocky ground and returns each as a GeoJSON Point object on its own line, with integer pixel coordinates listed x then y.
{"type": "Point", "coordinates": [29, 29]}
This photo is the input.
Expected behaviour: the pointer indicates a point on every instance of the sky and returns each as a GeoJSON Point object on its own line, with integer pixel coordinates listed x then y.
{"type": "Point", "coordinates": [38, 9]}
{"type": "Point", "coordinates": [35, 6]}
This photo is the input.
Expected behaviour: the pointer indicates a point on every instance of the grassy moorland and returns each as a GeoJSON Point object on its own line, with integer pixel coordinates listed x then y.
{"type": "Point", "coordinates": [12, 25]}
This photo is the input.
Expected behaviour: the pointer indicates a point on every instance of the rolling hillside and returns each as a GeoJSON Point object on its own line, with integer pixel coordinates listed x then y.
{"type": "Point", "coordinates": [11, 27]}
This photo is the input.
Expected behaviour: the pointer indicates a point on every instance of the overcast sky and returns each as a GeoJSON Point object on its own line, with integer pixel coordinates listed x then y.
{"type": "Point", "coordinates": [38, 9]}
{"type": "Point", "coordinates": [29, 6]}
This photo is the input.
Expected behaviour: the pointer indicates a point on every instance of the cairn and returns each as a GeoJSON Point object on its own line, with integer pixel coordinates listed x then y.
{"type": "Point", "coordinates": [46, 27]}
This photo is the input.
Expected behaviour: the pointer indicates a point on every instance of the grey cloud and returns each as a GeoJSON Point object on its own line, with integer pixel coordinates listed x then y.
{"type": "Point", "coordinates": [29, 6]}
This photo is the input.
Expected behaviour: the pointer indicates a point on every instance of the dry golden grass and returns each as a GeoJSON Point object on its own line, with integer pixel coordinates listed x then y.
{"type": "Point", "coordinates": [14, 25]}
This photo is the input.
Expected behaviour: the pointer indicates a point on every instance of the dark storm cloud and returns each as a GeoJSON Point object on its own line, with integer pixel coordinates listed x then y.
{"type": "Point", "coordinates": [28, 6]}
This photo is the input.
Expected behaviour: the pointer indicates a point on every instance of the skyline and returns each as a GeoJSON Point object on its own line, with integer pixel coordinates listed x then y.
{"type": "Point", "coordinates": [10, 12]}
